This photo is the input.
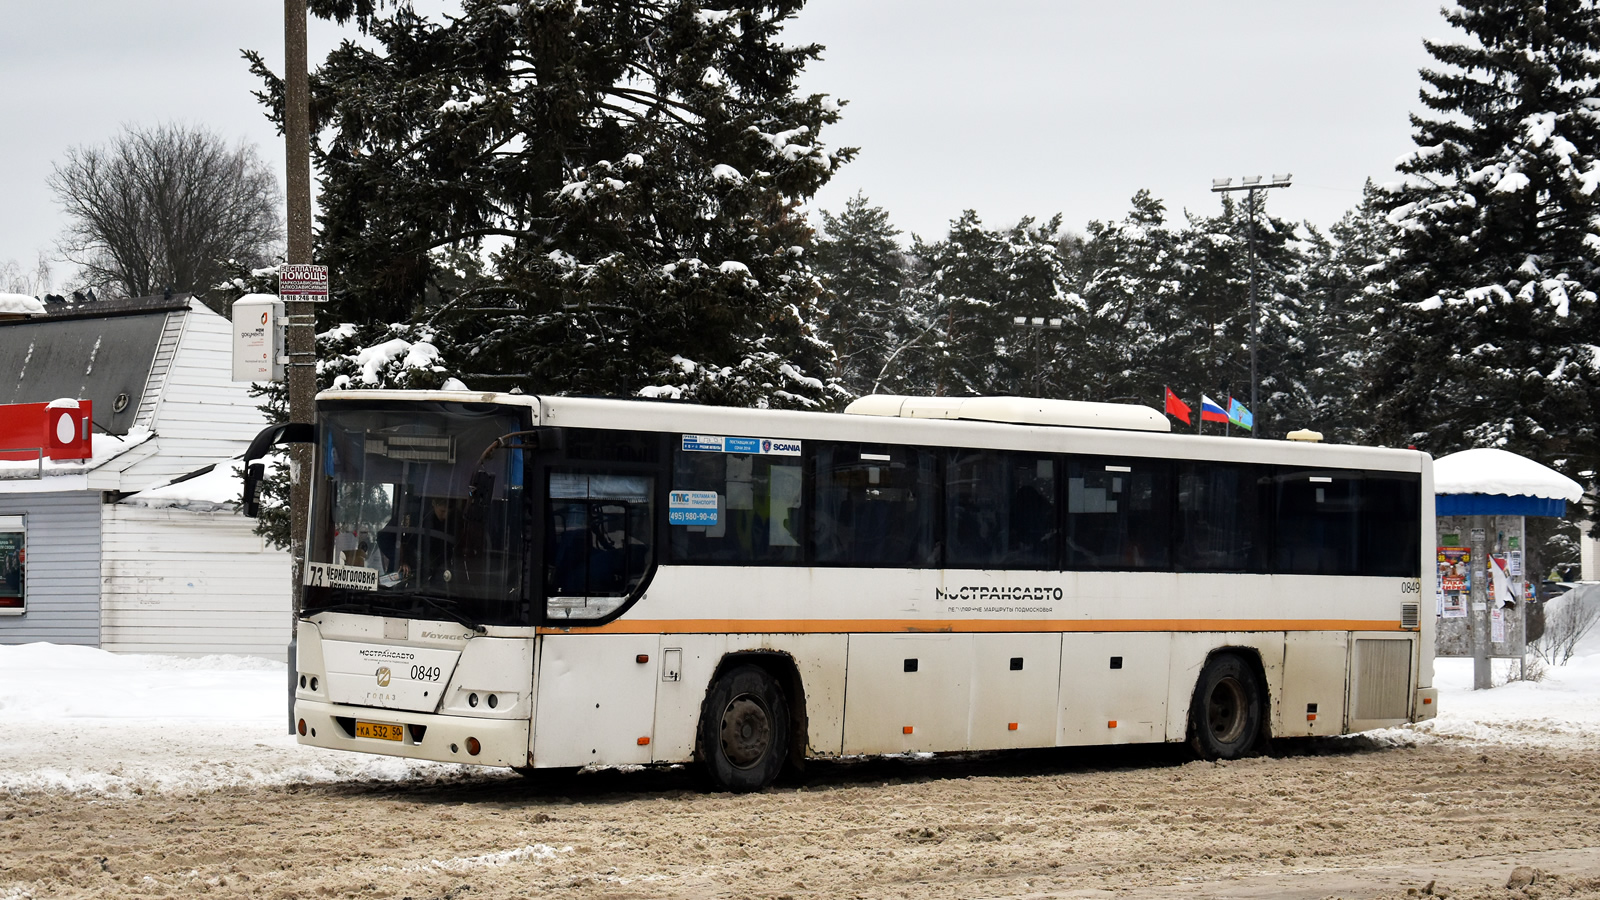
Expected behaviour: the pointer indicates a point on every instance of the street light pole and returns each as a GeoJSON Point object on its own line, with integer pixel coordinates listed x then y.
{"type": "Point", "coordinates": [1251, 184]}
{"type": "Point", "coordinates": [1040, 323]}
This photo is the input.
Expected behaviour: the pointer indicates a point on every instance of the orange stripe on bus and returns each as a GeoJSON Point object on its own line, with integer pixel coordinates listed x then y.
{"type": "Point", "coordinates": [961, 626]}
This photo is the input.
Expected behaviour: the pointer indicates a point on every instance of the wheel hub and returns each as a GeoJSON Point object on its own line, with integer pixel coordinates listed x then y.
{"type": "Point", "coordinates": [746, 731]}
{"type": "Point", "coordinates": [1225, 710]}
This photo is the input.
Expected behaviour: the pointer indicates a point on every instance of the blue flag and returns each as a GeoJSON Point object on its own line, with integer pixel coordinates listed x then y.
{"type": "Point", "coordinates": [1240, 416]}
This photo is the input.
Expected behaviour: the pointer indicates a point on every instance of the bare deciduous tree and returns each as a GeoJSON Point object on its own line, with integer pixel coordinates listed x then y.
{"type": "Point", "coordinates": [16, 280]}
{"type": "Point", "coordinates": [166, 206]}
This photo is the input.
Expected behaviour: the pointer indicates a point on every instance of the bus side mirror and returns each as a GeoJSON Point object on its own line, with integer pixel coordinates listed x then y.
{"type": "Point", "coordinates": [269, 437]}
{"type": "Point", "coordinates": [253, 474]}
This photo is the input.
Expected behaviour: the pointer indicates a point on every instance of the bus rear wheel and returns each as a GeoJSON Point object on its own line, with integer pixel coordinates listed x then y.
{"type": "Point", "coordinates": [744, 730]}
{"type": "Point", "coordinates": [1225, 714]}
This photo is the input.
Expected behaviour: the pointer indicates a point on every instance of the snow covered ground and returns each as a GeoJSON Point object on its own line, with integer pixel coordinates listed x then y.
{"type": "Point", "coordinates": [83, 721]}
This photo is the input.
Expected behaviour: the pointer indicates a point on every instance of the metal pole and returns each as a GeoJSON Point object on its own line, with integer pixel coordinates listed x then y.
{"type": "Point", "coordinates": [1255, 318]}
{"type": "Point", "coordinates": [1478, 602]}
{"type": "Point", "coordinates": [302, 330]}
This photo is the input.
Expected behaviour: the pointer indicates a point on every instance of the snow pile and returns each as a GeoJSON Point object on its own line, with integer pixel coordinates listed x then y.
{"type": "Point", "coordinates": [218, 487]}
{"type": "Point", "coordinates": [84, 721]}
{"type": "Point", "coordinates": [104, 447]}
{"type": "Point", "coordinates": [1490, 471]}
{"type": "Point", "coordinates": [1560, 711]}
{"type": "Point", "coordinates": [20, 305]}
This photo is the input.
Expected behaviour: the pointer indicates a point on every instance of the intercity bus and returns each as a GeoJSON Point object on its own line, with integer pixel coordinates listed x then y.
{"type": "Point", "coordinates": [555, 582]}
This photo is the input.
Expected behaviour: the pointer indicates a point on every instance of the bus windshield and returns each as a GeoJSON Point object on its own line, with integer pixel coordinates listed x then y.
{"type": "Point", "coordinates": [412, 517]}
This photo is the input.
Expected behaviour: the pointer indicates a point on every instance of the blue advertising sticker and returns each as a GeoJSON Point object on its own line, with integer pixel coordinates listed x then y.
{"type": "Point", "coordinates": [692, 507]}
{"type": "Point", "coordinates": [705, 443]}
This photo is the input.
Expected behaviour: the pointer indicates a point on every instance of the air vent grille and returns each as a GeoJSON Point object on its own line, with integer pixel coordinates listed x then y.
{"type": "Point", "coordinates": [1410, 615]}
{"type": "Point", "coordinates": [1383, 679]}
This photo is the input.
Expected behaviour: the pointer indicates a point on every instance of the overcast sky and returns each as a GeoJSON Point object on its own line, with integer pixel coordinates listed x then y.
{"type": "Point", "coordinates": [1008, 108]}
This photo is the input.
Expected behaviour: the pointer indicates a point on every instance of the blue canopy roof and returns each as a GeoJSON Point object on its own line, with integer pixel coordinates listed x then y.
{"type": "Point", "coordinates": [1497, 505]}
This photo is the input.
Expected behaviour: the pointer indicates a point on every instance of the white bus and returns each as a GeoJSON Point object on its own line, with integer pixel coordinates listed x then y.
{"type": "Point", "coordinates": [543, 582]}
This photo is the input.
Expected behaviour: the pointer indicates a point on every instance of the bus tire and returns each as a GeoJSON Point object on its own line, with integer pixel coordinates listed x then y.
{"type": "Point", "coordinates": [744, 730]}
{"type": "Point", "coordinates": [1225, 714]}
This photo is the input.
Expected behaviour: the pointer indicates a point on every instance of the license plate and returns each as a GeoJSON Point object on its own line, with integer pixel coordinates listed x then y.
{"type": "Point", "coordinates": [379, 730]}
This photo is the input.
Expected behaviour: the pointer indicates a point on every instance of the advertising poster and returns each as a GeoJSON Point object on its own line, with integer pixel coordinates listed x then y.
{"type": "Point", "coordinates": [1455, 581]}
{"type": "Point", "coordinates": [12, 562]}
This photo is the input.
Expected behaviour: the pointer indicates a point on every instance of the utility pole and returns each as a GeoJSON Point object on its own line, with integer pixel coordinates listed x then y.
{"type": "Point", "coordinates": [1251, 184]}
{"type": "Point", "coordinates": [301, 315]}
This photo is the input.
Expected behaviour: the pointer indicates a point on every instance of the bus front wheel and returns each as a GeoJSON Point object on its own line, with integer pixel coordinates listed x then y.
{"type": "Point", "coordinates": [1225, 714]}
{"type": "Point", "coordinates": [744, 731]}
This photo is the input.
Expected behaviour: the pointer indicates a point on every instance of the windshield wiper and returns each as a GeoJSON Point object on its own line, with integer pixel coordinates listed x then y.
{"type": "Point", "coordinates": [454, 616]}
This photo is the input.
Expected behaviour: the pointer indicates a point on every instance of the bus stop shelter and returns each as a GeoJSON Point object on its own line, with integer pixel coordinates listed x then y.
{"type": "Point", "coordinates": [1483, 499]}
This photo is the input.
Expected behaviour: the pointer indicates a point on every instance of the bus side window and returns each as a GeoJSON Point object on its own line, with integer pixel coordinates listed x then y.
{"type": "Point", "coordinates": [876, 506]}
{"type": "Point", "coordinates": [758, 515]}
{"type": "Point", "coordinates": [1219, 522]}
{"type": "Point", "coordinates": [597, 536]}
{"type": "Point", "coordinates": [1316, 522]}
{"type": "Point", "coordinates": [1000, 510]}
{"type": "Point", "coordinates": [1119, 514]}
{"type": "Point", "coordinates": [1391, 504]}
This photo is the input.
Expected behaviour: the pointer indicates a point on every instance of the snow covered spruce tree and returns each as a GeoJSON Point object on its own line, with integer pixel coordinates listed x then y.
{"type": "Point", "coordinates": [631, 170]}
{"type": "Point", "coordinates": [1487, 319]}
{"type": "Point", "coordinates": [970, 287]}
{"type": "Point", "coordinates": [863, 270]}
{"type": "Point", "coordinates": [1127, 278]}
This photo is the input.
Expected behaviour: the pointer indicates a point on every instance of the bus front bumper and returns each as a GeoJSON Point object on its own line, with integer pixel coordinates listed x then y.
{"type": "Point", "coordinates": [500, 742]}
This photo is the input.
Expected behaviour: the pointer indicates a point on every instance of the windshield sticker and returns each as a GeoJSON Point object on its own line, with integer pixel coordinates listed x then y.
{"type": "Point", "coordinates": [692, 507]}
{"type": "Point", "coordinates": [351, 578]}
{"type": "Point", "coordinates": [760, 446]}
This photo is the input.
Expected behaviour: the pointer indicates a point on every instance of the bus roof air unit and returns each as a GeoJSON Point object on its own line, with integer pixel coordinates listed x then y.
{"type": "Point", "coordinates": [1015, 410]}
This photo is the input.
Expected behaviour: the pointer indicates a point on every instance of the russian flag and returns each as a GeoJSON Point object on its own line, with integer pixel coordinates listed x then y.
{"type": "Point", "coordinates": [1211, 410]}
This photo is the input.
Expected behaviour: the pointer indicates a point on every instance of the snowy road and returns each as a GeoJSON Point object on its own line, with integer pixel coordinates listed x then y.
{"type": "Point", "coordinates": [102, 797]}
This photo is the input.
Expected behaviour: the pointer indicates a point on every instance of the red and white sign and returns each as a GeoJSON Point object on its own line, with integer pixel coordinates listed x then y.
{"type": "Point", "coordinates": [305, 284]}
{"type": "Point", "coordinates": [59, 429]}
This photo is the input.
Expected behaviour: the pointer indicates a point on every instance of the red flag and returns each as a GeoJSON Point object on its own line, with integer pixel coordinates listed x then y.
{"type": "Point", "coordinates": [1176, 407]}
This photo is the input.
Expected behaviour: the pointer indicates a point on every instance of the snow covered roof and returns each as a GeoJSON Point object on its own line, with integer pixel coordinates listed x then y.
{"type": "Point", "coordinates": [106, 448]}
{"type": "Point", "coordinates": [1490, 471]}
{"type": "Point", "coordinates": [217, 487]}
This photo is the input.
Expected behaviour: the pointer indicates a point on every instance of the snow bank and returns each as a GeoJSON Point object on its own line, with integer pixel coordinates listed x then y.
{"type": "Point", "coordinates": [83, 721]}
{"type": "Point", "coordinates": [1561, 711]}
{"type": "Point", "coordinates": [1490, 471]}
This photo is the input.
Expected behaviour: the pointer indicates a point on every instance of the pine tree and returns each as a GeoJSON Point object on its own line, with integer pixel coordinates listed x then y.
{"type": "Point", "coordinates": [863, 270]}
{"type": "Point", "coordinates": [1487, 316]}
{"type": "Point", "coordinates": [632, 172]}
